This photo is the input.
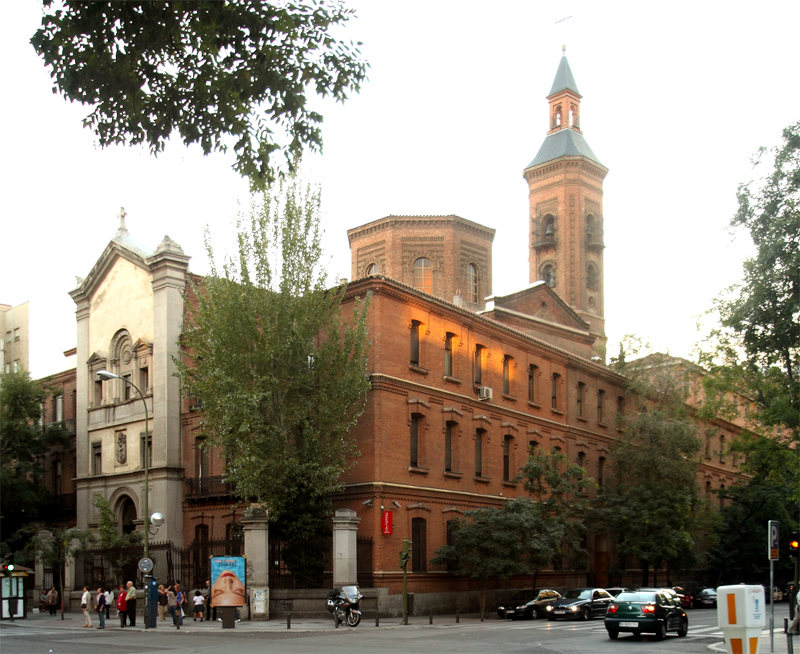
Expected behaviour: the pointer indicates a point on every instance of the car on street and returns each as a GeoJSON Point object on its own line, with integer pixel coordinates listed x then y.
{"type": "Point", "coordinates": [645, 611]}
{"type": "Point", "coordinates": [705, 597]}
{"type": "Point", "coordinates": [580, 604]}
{"type": "Point", "coordinates": [528, 604]}
{"type": "Point", "coordinates": [617, 590]}
{"type": "Point", "coordinates": [684, 597]}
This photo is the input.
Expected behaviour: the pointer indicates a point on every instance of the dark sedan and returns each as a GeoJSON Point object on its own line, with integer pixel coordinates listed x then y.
{"type": "Point", "coordinates": [528, 604]}
{"type": "Point", "coordinates": [646, 612]}
{"type": "Point", "coordinates": [580, 604]}
{"type": "Point", "coordinates": [706, 597]}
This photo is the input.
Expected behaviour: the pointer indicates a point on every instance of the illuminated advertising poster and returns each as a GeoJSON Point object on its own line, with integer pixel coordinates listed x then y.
{"type": "Point", "coordinates": [227, 581]}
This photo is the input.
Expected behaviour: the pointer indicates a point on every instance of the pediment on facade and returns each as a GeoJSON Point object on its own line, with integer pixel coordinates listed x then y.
{"type": "Point", "coordinates": [97, 360]}
{"type": "Point", "coordinates": [118, 248]}
{"type": "Point", "coordinates": [539, 301]}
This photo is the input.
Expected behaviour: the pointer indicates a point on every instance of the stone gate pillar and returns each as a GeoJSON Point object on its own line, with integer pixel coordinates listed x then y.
{"type": "Point", "coordinates": [256, 549]}
{"type": "Point", "coordinates": [38, 567]}
{"type": "Point", "coordinates": [345, 532]}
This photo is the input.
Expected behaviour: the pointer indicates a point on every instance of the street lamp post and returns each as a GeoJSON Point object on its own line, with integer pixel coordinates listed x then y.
{"type": "Point", "coordinates": [106, 376]}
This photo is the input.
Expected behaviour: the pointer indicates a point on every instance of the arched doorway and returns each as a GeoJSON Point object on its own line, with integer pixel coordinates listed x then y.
{"type": "Point", "coordinates": [128, 516]}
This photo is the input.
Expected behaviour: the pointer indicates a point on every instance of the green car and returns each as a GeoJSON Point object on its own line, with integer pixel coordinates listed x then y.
{"type": "Point", "coordinates": [650, 612]}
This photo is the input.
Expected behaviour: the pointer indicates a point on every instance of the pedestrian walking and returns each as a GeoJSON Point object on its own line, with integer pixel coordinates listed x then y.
{"type": "Point", "coordinates": [51, 600]}
{"type": "Point", "coordinates": [122, 605]}
{"type": "Point", "coordinates": [109, 602]}
{"type": "Point", "coordinates": [100, 607]}
{"type": "Point", "coordinates": [130, 599]}
{"type": "Point", "coordinates": [162, 602]}
{"type": "Point", "coordinates": [198, 605]}
{"type": "Point", "coordinates": [172, 605]}
{"type": "Point", "coordinates": [181, 599]}
{"type": "Point", "coordinates": [86, 599]}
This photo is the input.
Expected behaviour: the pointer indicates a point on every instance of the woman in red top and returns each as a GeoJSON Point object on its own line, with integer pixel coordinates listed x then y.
{"type": "Point", "coordinates": [122, 606]}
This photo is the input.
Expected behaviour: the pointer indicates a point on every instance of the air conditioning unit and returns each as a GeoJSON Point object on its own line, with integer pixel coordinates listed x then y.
{"type": "Point", "coordinates": [484, 393]}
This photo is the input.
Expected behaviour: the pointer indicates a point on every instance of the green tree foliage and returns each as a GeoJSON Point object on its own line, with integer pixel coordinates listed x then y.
{"type": "Point", "coordinates": [280, 371]}
{"type": "Point", "coordinates": [767, 493]}
{"type": "Point", "coordinates": [221, 74]}
{"type": "Point", "coordinates": [110, 538]}
{"type": "Point", "coordinates": [651, 504]}
{"type": "Point", "coordinates": [24, 442]}
{"type": "Point", "coordinates": [524, 535]}
{"type": "Point", "coordinates": [56, 548]}
{"type": "Point", "coordinates": [756, 351]}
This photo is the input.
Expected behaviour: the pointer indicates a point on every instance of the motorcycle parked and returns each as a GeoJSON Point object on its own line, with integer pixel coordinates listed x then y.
{"type": "Point", "coordinates": [343, 603]}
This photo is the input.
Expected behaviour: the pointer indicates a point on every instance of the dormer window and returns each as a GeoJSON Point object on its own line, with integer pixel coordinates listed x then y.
{"type": "Point", "coordinates": [372, 269]}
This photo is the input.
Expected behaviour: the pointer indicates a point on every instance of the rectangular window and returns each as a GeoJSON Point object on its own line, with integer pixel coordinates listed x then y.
{"type": "Point", "coordinates": [59, 408]}
{"type": "Point", "coordinates": [415, 342]}
{"type": "Point", "coordinates": [508, 362]}
{"type": "Point", "coordinates": [414, 458]}
{"type": "Point", "coordinates": [532, 370]}
{"type": "Point", "coordinates": [554, 390]}
{"type": "Point", "coordinates": [479, 453]}
{"type": "Point", "coordinates": [144, 379]}
{"type": "Point", "coordinates": [202, 464]}
{"type": "Point", "coordinates": [478, 365]}
{"type": "Point", "coordinates": [448, 446]}
{"type": "Point", "coordinates": [127, 389]}
{"type": "Point", "coordinates": [580, 399]}
{"type": "Point", "coordinates": [601, 464]}
{"type": "Point", "coordinates": [419, 538]}
{"type": "Point", "coordinates": [97, 459]}
{"type": "Point", "coordinates": [601, 400]}
{"type": "Point", "coordinates": [57, 474]}
{"type": "Point", "coordinates": [620, 410]}
{"type": "Point", "coordinates": [582, 459]}
{"type": "Point", "coordinates": [448, 354]}
{"type": "Point", "coordinates": [146, 447]}
{"type": "Point", "coordinates": [98, 392]}
{"type": "Point", "coordinates": [507, 441]}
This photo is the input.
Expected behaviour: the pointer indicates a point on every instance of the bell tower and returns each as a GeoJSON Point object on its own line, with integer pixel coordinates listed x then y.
{"type": "Point", "coordinates": [565, 183]}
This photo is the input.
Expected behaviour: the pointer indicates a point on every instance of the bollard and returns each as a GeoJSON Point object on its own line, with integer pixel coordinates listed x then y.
{"type": "Point", "coordinates": [288, 620]}
{"type": "Point", "coordinates": [377, 619]}
{"type": "Point", "coordinates": [430, 618]}
{"type": "Point", "coordinates": [458, 617]}
{"type": "Point", "coordinates": [481, 615]}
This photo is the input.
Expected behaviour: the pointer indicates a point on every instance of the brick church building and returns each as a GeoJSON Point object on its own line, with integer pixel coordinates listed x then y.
{"type": "Point", "coordinates": [463, 382]}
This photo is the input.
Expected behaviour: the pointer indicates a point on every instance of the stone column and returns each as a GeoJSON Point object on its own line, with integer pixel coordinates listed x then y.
{"type": "Point", "coordinates": [345, 564]}
{"type": "Point", "coordinates": [256, 548]}
{"type": "Point", "coordinates": [168, 267]}
{"type": "Point", "coordinates": [69, 572]}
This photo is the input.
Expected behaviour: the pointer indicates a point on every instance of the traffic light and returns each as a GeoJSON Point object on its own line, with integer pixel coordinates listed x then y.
{"type": "Point", "coordinates": [8, 568]}
{"type": "Point", "coordinates": [794, 542]}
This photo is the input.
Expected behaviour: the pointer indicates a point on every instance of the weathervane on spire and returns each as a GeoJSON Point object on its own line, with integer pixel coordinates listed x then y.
{"type": "Point", "coordinates": [564, 34]}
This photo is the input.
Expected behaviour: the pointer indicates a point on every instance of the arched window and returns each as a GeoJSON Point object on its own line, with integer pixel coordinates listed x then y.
{"type": "Point", "coordinates": [549, 227]}
{"type": "Point", "coordinates": [472, 282]}
{"type": "Point", "coordinates": [372, 269]}
{"type": "Point", "coordinates": [591, 228]}
{"type": "Point", "coordinates": [548, 275]}
{"type": "Point", "coordinates": [591, 276]}
{"type": "Point", "coordinates": [423, 275]}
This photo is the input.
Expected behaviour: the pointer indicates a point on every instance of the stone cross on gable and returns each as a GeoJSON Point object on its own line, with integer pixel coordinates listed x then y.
{"type": "Point", "coordinates": [122, 231]}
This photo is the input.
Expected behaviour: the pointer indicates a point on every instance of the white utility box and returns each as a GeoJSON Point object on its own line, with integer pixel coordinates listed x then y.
{"type": "Point", "coordinates": [741, 611]}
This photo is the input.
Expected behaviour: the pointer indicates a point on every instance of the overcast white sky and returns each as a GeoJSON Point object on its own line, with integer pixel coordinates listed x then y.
{"type": "Point", "coordinates": [676, 98]}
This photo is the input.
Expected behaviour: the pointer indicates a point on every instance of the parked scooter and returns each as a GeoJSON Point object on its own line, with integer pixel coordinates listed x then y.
{"type": "Point", "coordinates": [343, 603]}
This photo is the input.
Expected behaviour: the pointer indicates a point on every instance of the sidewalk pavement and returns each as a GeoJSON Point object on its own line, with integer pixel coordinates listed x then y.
{"type": "Point", "coordinates": [75, 620]}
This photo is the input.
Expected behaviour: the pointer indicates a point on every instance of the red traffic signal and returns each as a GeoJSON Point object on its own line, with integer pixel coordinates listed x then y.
{"type": "Point", "coordinates": [7, 568]}
{"type": "Point", "coordinates": [794, 543]}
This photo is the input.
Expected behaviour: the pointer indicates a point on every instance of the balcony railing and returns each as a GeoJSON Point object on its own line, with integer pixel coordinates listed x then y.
{"type": "Point", "coordinates": [198, 488]}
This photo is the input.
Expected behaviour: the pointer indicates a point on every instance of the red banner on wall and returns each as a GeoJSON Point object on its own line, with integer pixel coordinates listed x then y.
{"type": "Point", "coordinates": [387, 522]}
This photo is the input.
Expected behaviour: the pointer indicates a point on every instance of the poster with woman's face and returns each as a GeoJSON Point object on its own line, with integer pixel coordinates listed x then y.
{"type": "Point", "coordinates": [227, 581]}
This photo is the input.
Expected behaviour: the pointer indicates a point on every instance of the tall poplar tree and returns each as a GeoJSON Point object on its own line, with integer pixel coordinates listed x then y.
{"type": "Point", "coordinates": [278, 366]}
